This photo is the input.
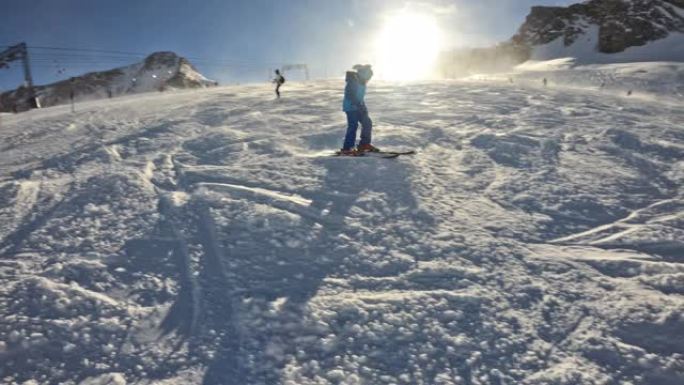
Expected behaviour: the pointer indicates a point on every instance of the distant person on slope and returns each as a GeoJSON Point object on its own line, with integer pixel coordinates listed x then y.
{"type": "Point", "coordinates": [355, 108]}
{"type": "Point", "coordinates": [279, 80]}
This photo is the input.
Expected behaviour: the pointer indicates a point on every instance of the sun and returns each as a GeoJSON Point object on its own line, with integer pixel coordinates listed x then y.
{"type": "Point", "coordinates": [408, 46]}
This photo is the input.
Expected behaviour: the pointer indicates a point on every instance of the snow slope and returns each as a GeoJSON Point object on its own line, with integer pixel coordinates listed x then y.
{"type": "Point", "coordinates": [206, 237]}
{"type": "Point", "coordinates": [655, 81]}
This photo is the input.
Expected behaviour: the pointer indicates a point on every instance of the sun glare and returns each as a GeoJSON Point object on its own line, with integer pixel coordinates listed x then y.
{"type": "Point", "coordinates": [408, 47]}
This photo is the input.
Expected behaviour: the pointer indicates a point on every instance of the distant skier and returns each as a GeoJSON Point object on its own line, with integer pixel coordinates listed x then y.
{"type": "Point", "coordinates": [279, 80]}
{"type": "Point", "coordinates": [355, 108]}
{"type": "Point", "coordinates": [546, 82]}
{"type": "Point", "coordinates": [72, 81]}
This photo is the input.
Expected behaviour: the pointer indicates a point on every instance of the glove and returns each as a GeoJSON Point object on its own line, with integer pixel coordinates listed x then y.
{"type": "Point", "coordinates": [363, 109]}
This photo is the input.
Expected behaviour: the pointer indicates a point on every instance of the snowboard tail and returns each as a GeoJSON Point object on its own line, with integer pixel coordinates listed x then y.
{"type": "Point", "coordinates": [396, 153]}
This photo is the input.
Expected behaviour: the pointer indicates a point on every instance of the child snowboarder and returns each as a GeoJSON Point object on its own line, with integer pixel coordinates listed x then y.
{"type": "Point", "coordinates": [279, 80]}
{"type": "Point", "coordinates": [355, 108]}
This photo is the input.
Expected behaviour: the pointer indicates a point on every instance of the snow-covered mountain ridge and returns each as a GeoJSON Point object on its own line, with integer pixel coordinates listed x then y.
{"type": "Point", "coordinates": [590, 32]}
{"type": "Point", "coordinates": [208, 238]}
{"type": "Point", "coordinates": [610, 26]}
{"type": "Point", "coordinates": [159, 71]}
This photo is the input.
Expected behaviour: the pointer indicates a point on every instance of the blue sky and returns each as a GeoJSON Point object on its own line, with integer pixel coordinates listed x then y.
{"type": "Point", "coordinates": [233, 41]}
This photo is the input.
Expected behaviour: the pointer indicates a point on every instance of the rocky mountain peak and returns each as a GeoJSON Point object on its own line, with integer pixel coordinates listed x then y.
{"type": "Point", "coordinates": [161, 59]}
{"type": "Point", "coordinates": [157, 72]}
{"type": "Point", "coordinates": [620, 23]}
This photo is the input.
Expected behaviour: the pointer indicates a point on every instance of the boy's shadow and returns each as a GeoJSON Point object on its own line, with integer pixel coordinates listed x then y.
{"type": "Point", "coordinates": [224, 267]}
{"type": "Point", "coordinates": [343, 205]}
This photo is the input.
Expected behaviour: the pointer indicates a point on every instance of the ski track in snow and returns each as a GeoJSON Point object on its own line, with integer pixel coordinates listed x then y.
{"type": "Point", "coordinates": [207, 238]}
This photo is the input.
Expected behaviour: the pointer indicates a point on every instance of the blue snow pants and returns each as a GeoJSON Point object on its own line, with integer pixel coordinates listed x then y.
{"type": "Point", "coordinates": [353, 120]}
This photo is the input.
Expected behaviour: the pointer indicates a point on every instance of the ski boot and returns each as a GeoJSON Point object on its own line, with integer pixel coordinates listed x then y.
{"type": "Point", "coordinates": [349, 152]}
{"type": "Point", "coordinates": [367, 148]}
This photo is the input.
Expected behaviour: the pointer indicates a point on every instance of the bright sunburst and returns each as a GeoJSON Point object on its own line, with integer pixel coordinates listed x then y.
{"type": "Point", "coordinates": [408, 46]}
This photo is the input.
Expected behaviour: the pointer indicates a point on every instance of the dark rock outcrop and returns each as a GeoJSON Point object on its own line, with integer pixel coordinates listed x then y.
{"type": "Point", "coordinates": [621, 23]}
{"type": "Point", "coordinates": [614, 26]}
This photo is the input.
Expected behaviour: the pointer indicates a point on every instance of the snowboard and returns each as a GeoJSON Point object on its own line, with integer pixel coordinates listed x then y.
{"type": "Point", "coordinates": [378, 154]}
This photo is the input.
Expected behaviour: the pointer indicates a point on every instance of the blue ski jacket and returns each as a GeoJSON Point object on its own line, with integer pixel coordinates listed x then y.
{"type": "Point", "coordinates": [354, 93]}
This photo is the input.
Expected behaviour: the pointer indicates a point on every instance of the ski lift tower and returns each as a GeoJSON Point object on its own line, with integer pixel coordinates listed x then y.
{"type": "Point", "coordinates": [303, 67]}
{"type": "Point", "coordinates": [20, 52]}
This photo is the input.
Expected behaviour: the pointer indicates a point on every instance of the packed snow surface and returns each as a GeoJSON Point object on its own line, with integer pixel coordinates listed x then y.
{"type": "Point", "coordinates": [208, 237]}
{"type": "Point", "coordinates": [655, 81]}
